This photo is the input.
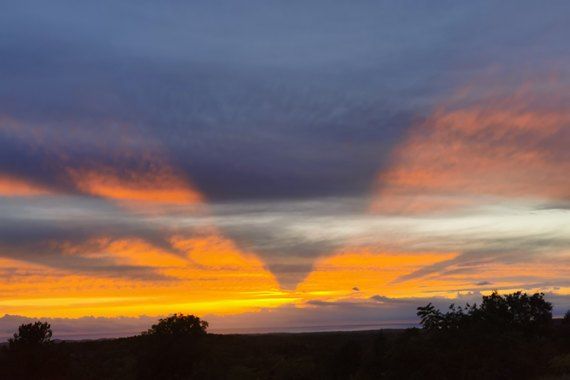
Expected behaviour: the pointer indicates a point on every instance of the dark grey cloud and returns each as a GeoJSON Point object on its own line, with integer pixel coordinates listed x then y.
{"type": "Point", "coordinates": [66, 234]}
{"type": "Point", "coordinates": [260, 104]}
{"type": "Point", "coordinates": [289, 236]}
{"type": "Point", "coordinates": [496, 250]}
{"type": "Point", "coordinates": [252, 100]}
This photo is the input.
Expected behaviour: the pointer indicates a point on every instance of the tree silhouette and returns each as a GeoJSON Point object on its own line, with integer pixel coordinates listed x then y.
{"type": "Point", "coordinates": [566, 319]}
{"type": "Point", "coordinates": [31, 354]}
{"type": "Point", "coordinates": [171, 348]}
{"type": "Point", "coordinates": [179, 325]}
{"type": "Point", "coordinates": [434, 320]}
{"type": "Point", "coordinates": [32, 334]}
{"type": "Point", "coordinates": [517, 311]}
{"type": "Point", "coordinates": [500, 338]}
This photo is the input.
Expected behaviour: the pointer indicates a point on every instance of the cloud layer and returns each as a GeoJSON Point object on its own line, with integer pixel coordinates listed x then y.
{"type": "Point", "coordinates": [227, 158]}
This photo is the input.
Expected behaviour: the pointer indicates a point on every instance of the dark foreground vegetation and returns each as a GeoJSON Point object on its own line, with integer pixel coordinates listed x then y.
{"type": "Point", "coordinates": [503, 337]}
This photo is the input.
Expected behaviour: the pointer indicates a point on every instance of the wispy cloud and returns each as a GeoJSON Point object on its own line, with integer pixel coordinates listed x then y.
{"type": "Point", "coordinates": [294, 155]}
{"type": "Point", "coordinates": [492, 139]}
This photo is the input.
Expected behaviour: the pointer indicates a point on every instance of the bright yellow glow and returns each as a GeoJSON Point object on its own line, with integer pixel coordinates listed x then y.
{"type": "Point", "coordinates": [207, 275]}
{"type": "Point", "coordinates": [210, 275]}
{"type": "Point", "coordinates": [373, 274]}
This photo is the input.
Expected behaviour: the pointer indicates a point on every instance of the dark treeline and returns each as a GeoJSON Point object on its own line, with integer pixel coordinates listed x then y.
{"type": "Point", "coordinates": [504, 337]}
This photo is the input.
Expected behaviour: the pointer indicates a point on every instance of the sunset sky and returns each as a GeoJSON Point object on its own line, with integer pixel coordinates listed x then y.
{"type": "Point", "coordinates": [279, 165]}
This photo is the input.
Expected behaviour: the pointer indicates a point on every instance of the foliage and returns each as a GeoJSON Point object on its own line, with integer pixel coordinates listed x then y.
{"type": "Point", "coordinates": [518, 311]}
{"type": "Point", "coordinates": [511, 312]}
{"type": "Point", "coordinates": [560, 364]}
{"type": "Point", "coordinates": [434, 320]}
{"type": "Point", "coordinates": [171, 348]}
{"type": "Point", "coordinates": [32, 334]}
{"type": "Point", "coordinates": [503, 337]}
{"type": "Point", "coordinates": [30, 354]}
{"type": "Point", "coordinates": [179, 325]}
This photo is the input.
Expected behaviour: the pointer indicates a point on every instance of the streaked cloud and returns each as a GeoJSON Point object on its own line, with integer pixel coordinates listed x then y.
{"type": "Point", "coordinates": [14, 187]}
{"type": "Point", "coordinates": [300, 158]}
{"type": "Point", "coordinates": [151, 185]}
{"type": "Point", "coordinates": [492, 139]}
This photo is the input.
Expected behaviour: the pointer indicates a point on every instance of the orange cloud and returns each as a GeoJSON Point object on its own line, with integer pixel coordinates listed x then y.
{"type": "Point", "coordinates": [14, 187]}
{"type": "Point", "coordinates": [141, 175]}
{"type": "Point", "coordinates": [156, 185]}
{"type": "Point", "coordinates": [482, 143]}
{"type": "Point", "coordinates": [208, 275]}
{"type": "Point", "coordinates": [371, 273]}
{"type": "Point", "coordinates": [365, 274]}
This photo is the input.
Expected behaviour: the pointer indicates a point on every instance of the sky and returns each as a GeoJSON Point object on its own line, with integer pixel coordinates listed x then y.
{"type": "Point", "coordinates": [279, 165]}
